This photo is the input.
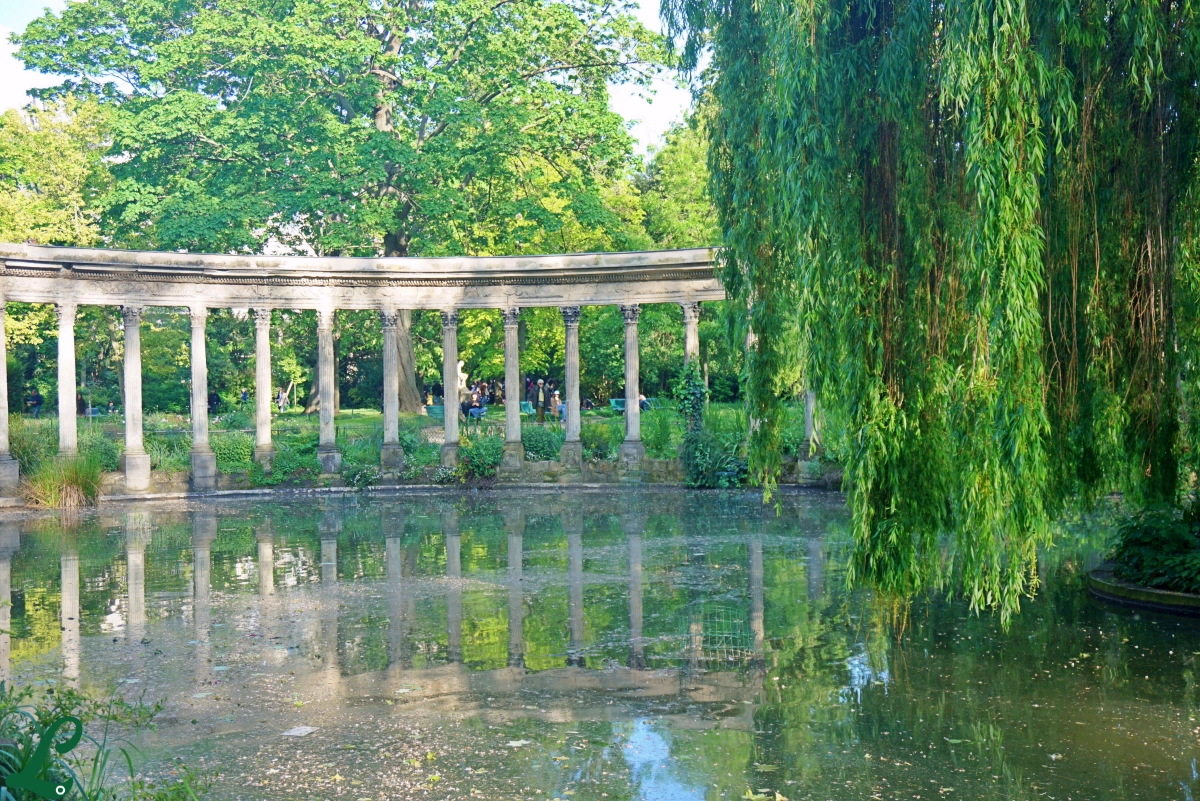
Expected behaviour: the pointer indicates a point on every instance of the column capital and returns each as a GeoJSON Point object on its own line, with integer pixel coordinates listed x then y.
{"type": "Point", "coordinates": [450, 318]}
{"type": "Point", "coordinates": [199, 315]}
{"type": "Point", "coordinates": [691, 311]}
{"type": "Point", "coordinates": [132, 314]}
{"type": "Point", "coordinates": [389, 318]}
{"type": "Point", "coordinates": [570, 315]}
{"type": "Point", "coordinates": [65, 311]}
{"type": "Point", "coordinates": [512, 316]}
{"type": "Point", "coordinates": [630, 312]}
{"type": "Point", "coordinates": [325, 319]}
{"type": "Point", "coordinates": [262, 318]}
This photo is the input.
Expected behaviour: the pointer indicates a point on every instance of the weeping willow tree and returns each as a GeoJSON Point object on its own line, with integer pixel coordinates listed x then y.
{"type": "Point", "coordinates": [974, 222]}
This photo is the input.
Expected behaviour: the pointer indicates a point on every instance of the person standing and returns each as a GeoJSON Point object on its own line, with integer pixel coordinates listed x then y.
{"type": "Point", "coordinates": [539, 401]}
{"type": "Point", "coordinates": [35, 403]}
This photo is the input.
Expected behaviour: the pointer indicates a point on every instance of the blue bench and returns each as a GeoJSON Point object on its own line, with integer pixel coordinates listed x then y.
{"type": "Point", "coordinates": [436, 412]}
{"type": "Point", "coordinates": [527, 408]}
{"type": "Point", "coordinates": [618, 404]}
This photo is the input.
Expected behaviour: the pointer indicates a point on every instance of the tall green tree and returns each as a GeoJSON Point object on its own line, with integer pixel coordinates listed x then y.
{"type": "Point", "coordinates": [353, 127]}
{"type": "Point", "coordinates": [975, 223]}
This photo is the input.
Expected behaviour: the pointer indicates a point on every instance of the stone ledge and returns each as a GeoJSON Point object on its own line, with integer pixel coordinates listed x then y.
{"type": "Point", "coordinates": [1103, 584]}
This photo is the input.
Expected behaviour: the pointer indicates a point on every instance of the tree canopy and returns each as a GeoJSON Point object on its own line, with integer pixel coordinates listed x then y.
{"type": "Point", "coordinates": [974, 225]}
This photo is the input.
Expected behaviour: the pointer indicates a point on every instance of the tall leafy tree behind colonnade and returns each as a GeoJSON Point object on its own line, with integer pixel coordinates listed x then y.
{"type": "Point", "coordinates": [355, 127]}
{"type": "Point", "coordinates": [975, 223]}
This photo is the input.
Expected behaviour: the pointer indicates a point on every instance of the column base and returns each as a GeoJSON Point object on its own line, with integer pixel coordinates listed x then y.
{"type": "Point", "coordinates": [450, 455]}
{"type": "Point", "coordinates": [571, 455]}
{"type": "Point", "coordinates": [10, 472]}
{"type": "Point", "coordinates": [576, 660]}
{"type": "Point", "coordinates": [137, 471]}
{"type": "Point", "coordinates": [516, 660]}
{"type": "Point", "coordinates": [204, 470]}
{"type": "Point", "coordinates": [513, 459]}
{"type": "Point", "coordinates": [263, 454]}
{"type": "Point", "coordinates": [391, 457]}
{"type": "Point", "coordinates": [331, 460]}
{"type": "Point", "coordinates": [632, 453]}
{"type": "Point", "coordinates": [637, 661]}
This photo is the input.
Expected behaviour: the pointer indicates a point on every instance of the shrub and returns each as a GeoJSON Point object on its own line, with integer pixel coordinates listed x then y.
{"type": "Point", "coordinates": [480, 458]}
{"type": "Point", "coordinates": [691, 393]}
{"type": "Point", "coordinates": [361, 451]}
{"type": "Point", "coordinates": [288, 464]}
{"type": "Point", "coordinates": [601, 440]}
{"type": "Point", "coordinates": [361, 476]}
{"type": "Point", "coordinates": [709, 461]}
{"type": "Point", "coordinates": [32, 442]}
{"type": "Point", "coordinates": [1160, 548]}
{"type": "Point", "coordinates": [541, 443]}
{"type": "Point", "coordinates": [94, 444]}
{"type": "Point", "coordinates": [445, 475]}
{"type": "Point", "coordinates": [169, 453]}
{"type": "Point", "coordinates": [234, 421]}
{"type": "Point", "coordinates": [65, 483]}
{"type": "Point", "coordinates": [234, 452]}
{"type": "Point", "coordinates": [658, 429]}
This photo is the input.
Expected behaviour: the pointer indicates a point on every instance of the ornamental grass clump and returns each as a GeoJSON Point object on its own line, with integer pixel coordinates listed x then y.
{"type": "Point", "coordinates": [66, 483]}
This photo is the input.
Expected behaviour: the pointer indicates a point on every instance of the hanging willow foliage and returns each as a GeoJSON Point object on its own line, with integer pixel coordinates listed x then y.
{"type": "Point", "coordinates": [974, 222]}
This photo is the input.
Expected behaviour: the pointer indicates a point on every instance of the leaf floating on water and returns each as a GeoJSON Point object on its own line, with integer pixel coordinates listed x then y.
{"type": "Point", "coordinates": [299, 731]}
{"type": "Point", "coordinates": [517, 743]}
{"type": "Point", "coordinates": [766, 768]}
{"type": "Point", "coordinates": [750, 795]}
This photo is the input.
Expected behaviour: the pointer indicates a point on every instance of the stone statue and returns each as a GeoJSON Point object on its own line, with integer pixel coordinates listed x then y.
{"type": "Point", "coordinates": [463, 394]}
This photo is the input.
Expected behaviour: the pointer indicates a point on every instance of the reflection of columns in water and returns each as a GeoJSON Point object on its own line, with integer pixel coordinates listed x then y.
{"type": "Point", "coordinates": [266, 558]}
{"type": "Point", "coordinates": [756, 597]}
{"type": "Point", "coordinates": [69, 562]}
{"type": "Point", "coordinates": [816, 568]}
{"type": "Point", "coordinates": [137, 536]}
{"type": "Point", "coordinates": [10, 542]}
{"type": "Point", "coordinates": [398, 623]}
{"type": "Point", "coordinates": [204, 531]}
{"type": "Point", "coordinates": [329, 528]}
{"type": "Point", "coordinates": [514, 524]}
{"type": "Point", "coordinates": [633, 525]}
{"type": "Point", "coordinates": [454, 592]}
{"type": "Point", "coordinates": [573, 525]}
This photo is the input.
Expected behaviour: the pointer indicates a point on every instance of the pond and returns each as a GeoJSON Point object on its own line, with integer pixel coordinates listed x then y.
{"type": "Point", "coordinates": [587, 645]}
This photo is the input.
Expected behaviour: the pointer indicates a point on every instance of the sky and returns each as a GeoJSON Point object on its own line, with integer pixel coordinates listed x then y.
{"type": "Point", "coordinates": [649, 112]}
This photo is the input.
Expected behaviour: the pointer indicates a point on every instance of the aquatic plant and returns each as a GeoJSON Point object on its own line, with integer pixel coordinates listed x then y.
{"type": "Point", "coordinates": [65, 483]}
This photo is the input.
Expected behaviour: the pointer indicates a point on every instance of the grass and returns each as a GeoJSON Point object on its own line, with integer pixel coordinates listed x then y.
{"type": "Point", "coordinates": [65, 483]}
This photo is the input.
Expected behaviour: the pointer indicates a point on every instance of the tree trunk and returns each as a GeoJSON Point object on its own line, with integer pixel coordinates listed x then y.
{"type": "Point", "coordinates": [410, 395]}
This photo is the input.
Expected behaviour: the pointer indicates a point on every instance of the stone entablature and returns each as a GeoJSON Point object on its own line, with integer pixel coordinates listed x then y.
{"type": "Point", "coordinates": [133, 280]}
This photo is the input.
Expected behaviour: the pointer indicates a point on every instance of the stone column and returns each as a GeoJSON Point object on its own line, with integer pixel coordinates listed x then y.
{"type": "Point", "coordinates": [514, 524]}
{"type": "Point", "coordinates": [136, 460]}
{"type": "Point", "coordinates": [327, 452]}
{"type": "Point", "coordinates": [691, 331]}
{"type": "Point", "coordinates": [265, 536]}
{"type": "Point", "coordinates": [263, 447]}
{"type": "Point", "coordinates": [450, 387]}
{"type": "Point", "coordinates": [573, 524]}
{"type": "Point", "coordinates": [69, 616]}
{"type": "Point", "coordinates": [810, 423]}
{"type": "Point", "coordinates": [391, 455]}
{"type": "Point", "coordinates": [454, 593]}
{"type": "Point", "coordinates": [204, 461]}
{"type": "Point", "coordinates": [10, 543]}
{"type": "Point", "coordinates": [514, 450]}
{"type": "Point", "coordinates": [68, 440]}
{"type": "Point", "coordinates": [571, 454]}
{"type": "Point", "coordinates": [632, 450]}
{"type": "Point", "coordinates": [10, 472]}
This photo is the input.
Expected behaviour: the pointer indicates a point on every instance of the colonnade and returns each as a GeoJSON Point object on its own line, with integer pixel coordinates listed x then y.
{"type": "Point", "coordinates": [136, 462]}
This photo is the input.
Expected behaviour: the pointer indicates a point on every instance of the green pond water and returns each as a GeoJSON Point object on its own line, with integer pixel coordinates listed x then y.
{"type": "Point", "coordinates": [587, 645]}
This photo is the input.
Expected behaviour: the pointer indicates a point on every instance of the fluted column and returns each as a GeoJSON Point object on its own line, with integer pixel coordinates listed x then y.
{"type": "Point", "coordinates": [204, 461]}
{"type": "Point", "coordinates": [514, 449]}
{"type": "Point", "coordinates": [450, 387]}
{"type": "Point", "coordinates": [327, 452]}
{"type": "Point", "coordinates": [264, 449]}
{"type": "Point", "coordinates": [136, 460]}
{"type": "Point", "coordinates": [454, 593]}
{"type": "Point", "coordinates": [10, 472]}
{"type": "Point", "coordinates": [514, 524]}
{"type": "Point", "coordinates": [391, 455]}
{"type": "Point", "coordinates": [571, 453]}
{"type": "Point", "coordinates": [691, 331]}
{"type": "Point", "coordinates": [632, 450]}
{"type": "Point", "coordinates": [68, 439]}
{"type": "Point", "coordinates": [69, 613]}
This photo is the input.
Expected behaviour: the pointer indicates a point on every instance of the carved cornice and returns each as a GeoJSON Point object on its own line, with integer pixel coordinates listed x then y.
{"type": "Point", "coordinates": [630, 313]}
{"type": "Point", "coordinates": [570, 315]}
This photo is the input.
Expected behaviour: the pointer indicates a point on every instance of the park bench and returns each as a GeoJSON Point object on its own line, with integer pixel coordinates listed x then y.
{"type": "Point", "coordinates": [618, 404]}
{"type": "Point", "coordinates": [436, 412]}
{"type": "Point", "coordinates": [527, 408]}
